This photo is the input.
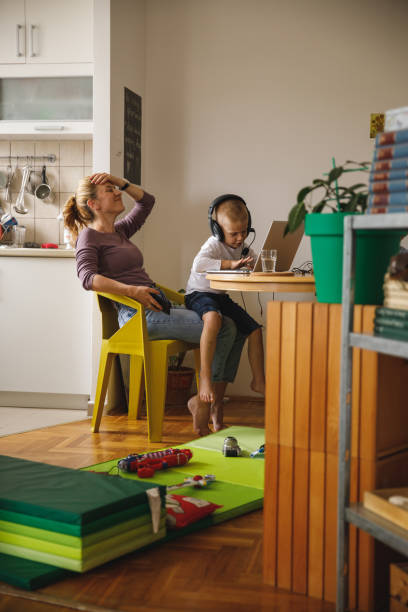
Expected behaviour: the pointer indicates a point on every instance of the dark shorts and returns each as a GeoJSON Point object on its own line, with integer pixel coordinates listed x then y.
{"type": "Point", "coordinates": [202, 302]}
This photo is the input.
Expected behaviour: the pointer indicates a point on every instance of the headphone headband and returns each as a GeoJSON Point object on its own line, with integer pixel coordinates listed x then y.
{"type": "Point", "coordinates": [215, 227]}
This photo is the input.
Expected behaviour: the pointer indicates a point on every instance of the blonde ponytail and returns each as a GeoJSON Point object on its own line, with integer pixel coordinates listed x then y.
{"type": "Point", "coordinates": [76, 212]}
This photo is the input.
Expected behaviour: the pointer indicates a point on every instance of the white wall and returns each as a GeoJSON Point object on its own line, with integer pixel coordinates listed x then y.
{"type": "Point", "coordinates": [255, 97]}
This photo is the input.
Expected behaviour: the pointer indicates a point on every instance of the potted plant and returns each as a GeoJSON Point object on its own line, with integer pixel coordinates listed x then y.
{"type": "Point", "coordinates": [373, 248]}
{"type": "Point", "coordinates": [179, 380]}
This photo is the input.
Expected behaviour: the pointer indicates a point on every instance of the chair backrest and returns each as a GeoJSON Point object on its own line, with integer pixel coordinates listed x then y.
{"type": "Point", "coordinates": [109, 317]}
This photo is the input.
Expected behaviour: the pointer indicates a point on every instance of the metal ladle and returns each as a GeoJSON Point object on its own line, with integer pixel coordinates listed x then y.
{"type": "Point", "coordinates": [19, 205]}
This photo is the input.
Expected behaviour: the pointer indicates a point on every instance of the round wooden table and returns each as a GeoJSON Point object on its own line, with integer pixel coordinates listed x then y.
{"type": "Point", "coordinates": [262, 282]}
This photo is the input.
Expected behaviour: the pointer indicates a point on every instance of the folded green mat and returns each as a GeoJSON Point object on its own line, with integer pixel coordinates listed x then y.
{"type": "Point", "coordinates": [29, 575]}
{"type": "Point", "coordinates": [99, 554]}
{"type": "Point", "coordinates": [65, 495]}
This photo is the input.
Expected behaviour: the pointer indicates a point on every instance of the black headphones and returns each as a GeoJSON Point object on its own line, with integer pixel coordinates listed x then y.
{"type": "Point", "coordinates": [216, 228]}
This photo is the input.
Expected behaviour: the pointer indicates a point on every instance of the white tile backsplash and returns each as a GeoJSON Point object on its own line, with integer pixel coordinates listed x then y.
{"type": "Point", "coordinates": [73, 161]}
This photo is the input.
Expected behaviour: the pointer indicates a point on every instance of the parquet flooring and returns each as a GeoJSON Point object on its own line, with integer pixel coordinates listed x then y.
{"type": "Point", "coordinates": [217, 569]}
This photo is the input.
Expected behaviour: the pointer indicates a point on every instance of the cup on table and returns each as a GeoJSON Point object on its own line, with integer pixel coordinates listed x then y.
{"type": "Point", "coordinates": [18, 236]}
{"type": "Point", "coordinates": [268, 260]}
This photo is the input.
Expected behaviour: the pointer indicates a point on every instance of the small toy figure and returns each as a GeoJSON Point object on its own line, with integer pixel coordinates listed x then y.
{"type": "Point", "coordinates": [147, 464]}
{"type": "Point", "coordinates": [198, 482]}
{"type": "Point", "coordinates": [231, 448]}
{"type": "Point", "coordinates": [259, 453]}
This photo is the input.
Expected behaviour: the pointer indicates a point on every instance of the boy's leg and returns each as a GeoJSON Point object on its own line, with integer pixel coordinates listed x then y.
{"type": "Point", "coordinates": [256, 361]}
{"type": "Point", "coordinates": [217, 407]}
{"type": "Point", "coordinates": [212, 322]}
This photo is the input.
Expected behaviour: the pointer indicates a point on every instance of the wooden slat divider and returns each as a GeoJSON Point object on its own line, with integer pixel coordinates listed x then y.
{"type": "Point", "coordinates": [316, 524]}
{"type": "Point", "coordinates": [300, 520]}
{"type": "Point", "coordinates": [302, 381]}
{"type": "Point", "coordinates": [319, 378]}
{"type": "Point", "coordinates": [287, 374]}
{"type": "Point", "coordinates": [285, 517]}
{"type": "Point", "coordinates": [333, 378]}
{"type": "Point", "coordinates": [273, 368]}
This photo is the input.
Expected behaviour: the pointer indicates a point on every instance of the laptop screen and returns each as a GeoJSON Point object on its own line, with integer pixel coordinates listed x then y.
{"type": "Point", "coordinates": [286, 246]}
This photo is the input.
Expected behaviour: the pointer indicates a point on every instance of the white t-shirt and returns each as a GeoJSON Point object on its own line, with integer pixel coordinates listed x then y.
{"type": "Point", "coordinates": [209, 258]}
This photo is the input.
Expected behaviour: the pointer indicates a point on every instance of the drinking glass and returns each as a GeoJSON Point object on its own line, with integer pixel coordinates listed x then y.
{"type": "Point", "coordinates": [18, 234]}
{"type": "Point", "coordinates": [268, 259]}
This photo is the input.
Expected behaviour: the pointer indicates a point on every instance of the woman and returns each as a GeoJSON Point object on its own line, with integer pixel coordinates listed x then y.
{"type": "Point", "coordinates": [108, 261]}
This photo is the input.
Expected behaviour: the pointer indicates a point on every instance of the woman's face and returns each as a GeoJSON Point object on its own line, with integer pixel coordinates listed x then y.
{"type": "Point", "coordinates": [109, 199]}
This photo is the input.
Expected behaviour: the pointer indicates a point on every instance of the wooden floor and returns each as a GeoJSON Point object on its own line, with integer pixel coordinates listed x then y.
{"type": "Point", "coordinates": [219, 568]}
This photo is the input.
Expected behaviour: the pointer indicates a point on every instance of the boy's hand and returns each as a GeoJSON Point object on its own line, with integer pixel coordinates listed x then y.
{"type": "Point", "coordinates": [241, 263]}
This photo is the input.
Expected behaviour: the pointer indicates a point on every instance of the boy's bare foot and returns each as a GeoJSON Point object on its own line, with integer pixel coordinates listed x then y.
{"type": "Point", "coordinates": [201, 414]}
{"type": "Point", "coordinates": [217, 416]}
{"type": "Point", "coordinates": [258, 386]}
{"type": "Point", "coordinates": [206, 391]}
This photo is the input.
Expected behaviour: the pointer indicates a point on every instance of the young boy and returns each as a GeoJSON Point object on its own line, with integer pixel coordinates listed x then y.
{"type": "Point", "coordinates": [224, 251]}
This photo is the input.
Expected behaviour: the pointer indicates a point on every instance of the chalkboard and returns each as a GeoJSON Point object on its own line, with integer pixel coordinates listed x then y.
{"type": "Point", "coordinates": [132, 159]}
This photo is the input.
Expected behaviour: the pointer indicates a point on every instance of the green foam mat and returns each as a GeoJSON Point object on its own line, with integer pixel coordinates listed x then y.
{"type": "Point", "coordinates": [239, 480]}
{"type": "Point", "coordinates": [65, 495]}
{"type": "Point", "coordinates": [80, 544]}
{"type": "Point", "coordinates": [27, 574]}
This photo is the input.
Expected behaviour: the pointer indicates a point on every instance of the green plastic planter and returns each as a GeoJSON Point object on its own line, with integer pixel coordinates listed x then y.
{"type": "Point", "coordinates": [374, 248]}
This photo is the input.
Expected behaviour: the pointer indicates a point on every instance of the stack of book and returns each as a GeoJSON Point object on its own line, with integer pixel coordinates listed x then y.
{"type": "Point", "coordinates": [391, 322]}
{"type": "Point", "coordinates": [388, 181]}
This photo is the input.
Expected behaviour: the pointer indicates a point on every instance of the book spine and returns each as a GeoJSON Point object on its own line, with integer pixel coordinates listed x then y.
{"type": "Point", "coordinates": [388, 176]}
{"type": "Point", "coordinates": [385, 210]}
{"type": "Point", "coordinates": [390, 164]}
{"type": "Point", "coordinates": [388, 186]}
{"type": "Point", "coordinates": [396, 313]}
{"type": "Point", "coordinates": [392, 152]}
{"type": "Point", "coordinates": [390, 138]}
{"type": "Point", "coordinates": [394, 334]}
{"type": "Point", "coordinates": [388, 199]}
{"type": "Point", "coordinates": [393, 323]}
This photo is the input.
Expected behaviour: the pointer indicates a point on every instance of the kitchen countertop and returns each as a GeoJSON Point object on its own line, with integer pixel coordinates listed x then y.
{"type": "Point", "coordinates": [7, 251]}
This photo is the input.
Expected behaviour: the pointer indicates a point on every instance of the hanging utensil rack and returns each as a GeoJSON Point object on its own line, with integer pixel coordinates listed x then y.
{"type": "Point", "coordinates": [30, 158]}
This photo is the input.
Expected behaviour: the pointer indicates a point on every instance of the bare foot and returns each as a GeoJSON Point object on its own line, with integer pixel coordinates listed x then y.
{"type": "Point", "coordinates": [217, 416]}
{"type": "Point", "coordinates": [206, 391]}
{"type": "Point", "coordinates": [258, 386]}
{"type": "Point", "coordinates": [201, 414]}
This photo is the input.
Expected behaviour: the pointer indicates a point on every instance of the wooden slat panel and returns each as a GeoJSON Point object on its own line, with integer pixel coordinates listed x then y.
{"type": "Point", "coordinates": [319, 378]}
{"type": "Point", "coordinates": [287, 374]}
{"type": "Point", "coordinates": [369, 385]}
{"type": "Point", "coordinates": [270, 513]}
{"type": "Point", "coordinates": [333, 378]}
{"type": "Point", "coordinates": [272, 373]}
{"type": "Point", "coordinates": [366, 544]}
{"type": "Point", "coordinates": [356, 388]}
{"type": "Point", "coordinates": [300, 520]}
{"type": "Point", "coordinates": [316, 524]}
{"type": "Point", "coordinates": [302, 381]}
{"type": "Point", "coordinates": [285, 517]}
{"type": "Point", "coordinates": [330, 528]}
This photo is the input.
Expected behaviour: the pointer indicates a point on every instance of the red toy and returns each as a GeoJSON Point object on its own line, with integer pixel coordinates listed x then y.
{"type": "Point", "coordinates": [146, 465]}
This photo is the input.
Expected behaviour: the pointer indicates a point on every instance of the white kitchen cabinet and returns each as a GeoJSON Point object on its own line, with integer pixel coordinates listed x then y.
{"type": "Point", "coordinates": [46, 31]}
{"type": "Point", "coordinates": [45, 328]}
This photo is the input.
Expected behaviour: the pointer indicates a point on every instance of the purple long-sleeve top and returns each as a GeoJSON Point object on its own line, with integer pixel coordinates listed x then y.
{"type": "Point", "coordinates": [112, 254]}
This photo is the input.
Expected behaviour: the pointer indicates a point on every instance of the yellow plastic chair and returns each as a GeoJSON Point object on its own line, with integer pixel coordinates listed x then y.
{"type": "Point", "coordinates": [148, 355]}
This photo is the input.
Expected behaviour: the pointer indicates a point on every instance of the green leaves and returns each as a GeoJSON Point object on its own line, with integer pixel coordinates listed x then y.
{"type": "Point", "coordinates": [346, 199]}
{"type": "Point", "coordinates": [296, 217]}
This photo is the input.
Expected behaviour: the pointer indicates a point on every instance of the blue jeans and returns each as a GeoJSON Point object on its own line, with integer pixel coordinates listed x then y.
{"type": "Point", "coordinates": [183, 324]}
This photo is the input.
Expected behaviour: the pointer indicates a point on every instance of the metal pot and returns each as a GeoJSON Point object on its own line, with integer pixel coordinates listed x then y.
{"type": "Point", "coordinates": [43, 190]}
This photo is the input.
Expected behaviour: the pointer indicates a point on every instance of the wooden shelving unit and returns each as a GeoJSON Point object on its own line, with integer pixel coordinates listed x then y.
{"type": "Point", "coordinates": [356, 514]}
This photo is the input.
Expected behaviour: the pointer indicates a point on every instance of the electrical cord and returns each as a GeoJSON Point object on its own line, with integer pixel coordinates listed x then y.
{"type": "Point", "coordinates": [305, 268]}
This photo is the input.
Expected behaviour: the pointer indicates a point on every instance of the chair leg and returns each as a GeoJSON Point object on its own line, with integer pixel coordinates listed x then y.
{"type": "Point", "coordinates": [156, 383]}
{"type": "Point", "coordinates": [136, 386]}
{"type": "Point", "coordinates": [105, 366]}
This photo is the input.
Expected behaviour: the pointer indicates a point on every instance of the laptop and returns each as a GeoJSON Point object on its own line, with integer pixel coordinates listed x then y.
{"type": "Point", "coordinates": [286, 247]}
